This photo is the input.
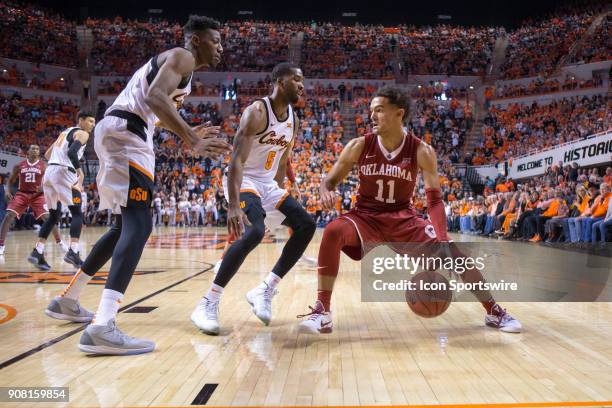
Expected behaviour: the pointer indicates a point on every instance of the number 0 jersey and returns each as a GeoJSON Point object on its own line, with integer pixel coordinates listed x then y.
{"type": "Point", "coordinates": [269, 145]}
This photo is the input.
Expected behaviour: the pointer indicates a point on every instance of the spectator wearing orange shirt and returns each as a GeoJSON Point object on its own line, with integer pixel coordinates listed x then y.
{"type": "Point", "coordinates": [599, 210]}
{"type": "Point", "coordinates": [551, 208]}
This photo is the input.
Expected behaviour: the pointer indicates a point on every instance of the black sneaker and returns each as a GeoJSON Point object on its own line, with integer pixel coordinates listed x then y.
{"type": "Point", "coordinates": [73, 258]}
{"type": "Point", "coordinates": [38, 260]}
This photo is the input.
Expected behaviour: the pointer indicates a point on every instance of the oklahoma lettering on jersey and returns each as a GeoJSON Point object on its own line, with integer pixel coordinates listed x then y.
{"type": "Point", "coordinates": [387, 179]}
{"type": "Point", "coordinates": [268, 148]}
{"type": "Point", "coordinates": [30, 176]}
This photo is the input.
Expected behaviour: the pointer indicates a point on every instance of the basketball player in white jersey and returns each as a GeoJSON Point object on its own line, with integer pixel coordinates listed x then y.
{"type": "Point", "coordinates": [62, 185]}
{"type": "Point", "coordinates": [257, 198]}
{"type": "Point", "coordinates": [124, 145]}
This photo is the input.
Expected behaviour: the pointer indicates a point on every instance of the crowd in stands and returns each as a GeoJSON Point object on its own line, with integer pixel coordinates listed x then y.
{"type": "Point", "coordinates": [329, 50]}
{"type": "Point", "coordinates": [36, 120]}
{"type": "Point", "coordinates": [541, 86]}
{"type": "Point", "coordinates": [338, 51]}
{"type": "Point", "coordinates": [12, 76]}
{"type": "Point", "coordinates": [120, 47]}
{"type": "Point", "coordinates": [32, 33]}
{"type": "Point", "coordinates": [445, 49]}
{"type": "Point", "coordinates": [538, 46]}
{"type": "Point", "coordinates": [597, 47]}
{"type": "Point", "coordinates": [519, 128]}
{"type": "Point", "coordinates": [566, 205]}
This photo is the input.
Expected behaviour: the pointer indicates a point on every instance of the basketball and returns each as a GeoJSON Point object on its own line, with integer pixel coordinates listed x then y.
{"type": "Point", "coordinates": [431, 296]}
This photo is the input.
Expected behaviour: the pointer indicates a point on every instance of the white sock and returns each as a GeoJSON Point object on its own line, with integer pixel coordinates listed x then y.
{"type": "Point", "coordinates": [74, 246]}
{"type": "Point", "coordinates": [40, 247]}
{"type": "Point", "coordinates": [272, 280]}
{"type": "Point", "coordinates": [108, 308]}
{"type": "Point", "coordinates": [214, 293]}
{"type": "Point", "coordinates": [76, 285]}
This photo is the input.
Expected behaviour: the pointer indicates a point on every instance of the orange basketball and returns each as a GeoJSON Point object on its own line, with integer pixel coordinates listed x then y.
{"type": "Point", "coordinates": [431, 296]}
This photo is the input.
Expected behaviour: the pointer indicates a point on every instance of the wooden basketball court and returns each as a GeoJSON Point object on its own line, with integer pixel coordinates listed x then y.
{"type": "Point", "coordinates": [378, 354]}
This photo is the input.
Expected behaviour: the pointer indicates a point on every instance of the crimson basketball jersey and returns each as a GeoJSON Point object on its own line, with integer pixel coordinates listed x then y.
{"type": "Point", "coordinates": [30, 176]}
{"type": "Point", "coordinates": [387, 179]}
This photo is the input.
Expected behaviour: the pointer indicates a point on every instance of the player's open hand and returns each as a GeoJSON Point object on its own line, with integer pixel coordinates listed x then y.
{"type": "Point", "coordinates": [328, 199]}
{"type": "Point", "coordinates": [207, 130]}
{"type": "Point", "coordinates": [237, 221]}
{"type": "Point", "coordinates": [212, 147]}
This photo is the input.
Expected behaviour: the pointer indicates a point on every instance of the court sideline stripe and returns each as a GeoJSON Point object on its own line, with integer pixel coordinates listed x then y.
{"type": "Point", "coordinates": [483, 405]}
{"type": "Point", "coordinates": [64, 336]}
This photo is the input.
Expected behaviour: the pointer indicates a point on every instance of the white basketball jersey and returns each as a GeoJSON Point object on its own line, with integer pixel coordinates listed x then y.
{"type": "Point", "coordinates": [132, 98]}
{"type": "Point", "coordinates": [59, 153]}
{"type": "Point", "coordinates": [269, 146]}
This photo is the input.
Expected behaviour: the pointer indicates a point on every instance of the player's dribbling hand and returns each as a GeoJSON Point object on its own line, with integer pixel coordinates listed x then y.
{"type": "Point", "coordinates": [237, 221]}
{"type": "Point", "coordinates": [328, 199]}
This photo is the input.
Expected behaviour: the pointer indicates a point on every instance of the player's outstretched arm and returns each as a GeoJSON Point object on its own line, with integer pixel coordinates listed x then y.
{"type": "Point", "coordinates": [180, 63]}
{"type": "Point", "coordinates": [252, 121]}
{"type": "Point", "coordinates": [428, 163]}
{"type": "Point", "coordinates": [349, 156]}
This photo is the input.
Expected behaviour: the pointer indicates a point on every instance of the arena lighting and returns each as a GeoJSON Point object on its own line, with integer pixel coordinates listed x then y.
{"type": "Point", "coordinates": [349, 14]}
{"type": "Point", "coordinates": [419, 86]}
{"type": "Point", "coordinates": [155, 11]}
{"type": "Point", "coordinates": [444, 17]}
{"type": "Point", "coordinates": [245, 12]}
{"type": "Point", "coordinates": [61, 79]}
{"type": "Point", "coordinates": [471, 86]}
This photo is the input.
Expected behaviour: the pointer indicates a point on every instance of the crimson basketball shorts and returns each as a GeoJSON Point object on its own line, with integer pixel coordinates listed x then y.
{"type": "Point", "coordinates": [20, 203]}
{"type": "Point", "coordinates": [373, 228]}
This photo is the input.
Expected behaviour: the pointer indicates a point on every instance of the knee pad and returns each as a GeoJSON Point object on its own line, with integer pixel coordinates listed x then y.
{"type": "Point", "coordinates": [297, 217]}
{"type": "Point", "coordinates": [253, 235]}
{"type": "Point", "coordinates": [77, 221]}
{"type": "Point", "coordinates": [45, 230]}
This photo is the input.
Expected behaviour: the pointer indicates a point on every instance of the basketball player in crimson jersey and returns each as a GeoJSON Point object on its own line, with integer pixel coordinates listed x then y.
{"type": "Point", "coordinates": [388, 161]}
{"type": "Point", "coordinates": [30, 173]}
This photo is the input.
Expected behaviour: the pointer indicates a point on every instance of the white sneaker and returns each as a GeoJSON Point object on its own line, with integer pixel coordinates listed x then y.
{"type": "Point", "coordinates": [309, 260]}
{"type": "Point", "coordinates": [217, 266]}
{"type": "Point", "coordinates": [206, 316]}
{"type": "Point", "coordinates": [63, 246]}
{"type": "Point", "coordinates": [503, 321]}
{"type": "Point", "coordinates": [2, 250]}
{"type": "Point", "coordinates": [319, 321]}
{"type": "Point", "coordinates": [260, 300]}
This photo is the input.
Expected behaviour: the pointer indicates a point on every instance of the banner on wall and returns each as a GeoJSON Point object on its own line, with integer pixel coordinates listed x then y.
{"type": "Point", "coordinates": [8, 161]}
{"type": "Point", "coordinates": [588, 152]}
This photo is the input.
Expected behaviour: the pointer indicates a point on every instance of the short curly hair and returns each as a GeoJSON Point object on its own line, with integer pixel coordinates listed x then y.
{"type": "Point", "coordinates": [396, 96]}
{"type": "Point", "coordinates": [200, 23]}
